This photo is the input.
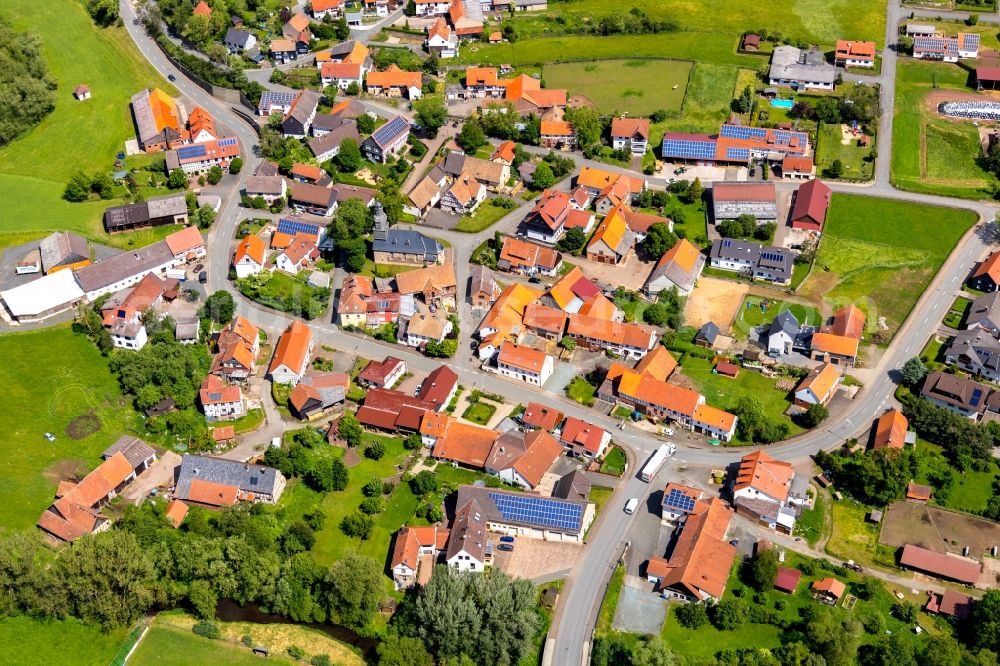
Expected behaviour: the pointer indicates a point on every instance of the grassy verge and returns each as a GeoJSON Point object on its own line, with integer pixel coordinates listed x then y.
{"type": "Point", "coordinates": [58, 642]}
{"type": "Point", "coordinates": [610, 604]}
{"type": "Point", "coordinates": [957, 312]}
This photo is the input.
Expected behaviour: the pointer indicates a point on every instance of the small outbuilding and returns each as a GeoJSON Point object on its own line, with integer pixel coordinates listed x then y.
{"type": "Point", "coordinates": [81, 92]}
{"type": "Point", "coordinates": [787, 579]}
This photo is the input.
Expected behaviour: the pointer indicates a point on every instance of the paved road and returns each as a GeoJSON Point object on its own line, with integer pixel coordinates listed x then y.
{"type": "Point", "coordinates": [576, 614]}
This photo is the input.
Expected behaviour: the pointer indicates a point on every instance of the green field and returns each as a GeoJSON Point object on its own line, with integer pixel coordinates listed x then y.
{"type": "Point", "coordinates": [725, 392]}
{"type": "Point", "coordinates": [68, 378]}
{"type": "Point", "coordinates": [57, 642]}
{"type": "Point", "coordinates": [970, 490]}
{"type": "Point", "coordinates": [880, 254]}
{"type": "Point", "coordinates": [830, 147]}
{"type": "Point", "coordinates": [485, 217]}
{"type": "Point", "coordinates": [751, 315]}
{"type": "Point", "coordinates": [76, 135]}
{"type": "Point", "coordinates": [931, 154]}
{"type": "Point", "coordinates": [185, 648]}
{"type": "Point", "coordinates": [622, 86]}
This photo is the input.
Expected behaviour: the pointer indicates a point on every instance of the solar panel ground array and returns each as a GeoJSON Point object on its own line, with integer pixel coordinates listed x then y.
{"type": "Point", "coordinates": [538, 511]}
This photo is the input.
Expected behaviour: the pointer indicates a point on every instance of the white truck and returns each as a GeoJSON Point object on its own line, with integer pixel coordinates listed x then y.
{"type": "Point", "coordinates": [656, 461]}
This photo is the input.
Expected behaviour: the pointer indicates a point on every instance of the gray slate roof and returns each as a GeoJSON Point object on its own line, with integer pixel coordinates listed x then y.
{"type": "Point", "coordinates": [708, 332]}
{"type": "Point", "coordinates": [117, 268]}
{"type": "Point", "coordinates": [984, 311]}
{"type": "Point", "coordinates": [248, 478]}
{"type": "Point", "coordinates": [791, 63]}
{"type": "Point", "coordinates": [786, 322]}
{"type": "Point", "coordinates": [134, 449]}
{"type": "Point", "coordinates": [977, 349]}
{"type": "Point", "coordinates": [239, 38]}
{"type": "Point", "coordinates": [63, 247]}
{"type": "Point", "coordinates": [407, 241]}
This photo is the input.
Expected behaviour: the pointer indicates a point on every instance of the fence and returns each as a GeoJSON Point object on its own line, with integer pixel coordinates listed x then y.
{"type": "Point", "coordinates": [130, 643]}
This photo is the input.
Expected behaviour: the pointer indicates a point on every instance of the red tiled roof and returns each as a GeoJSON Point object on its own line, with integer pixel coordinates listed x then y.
{"type": "Point", "coordinates": [293, 347]}
{"type": "Point", "coordinates": [990, 267]}
{"type": "Point", "coordinates": [701, 558]}
{"type": "Point", "coordinates": [376, 372]}
{"type": "Point", "coordinates": [940, 564]}
{"type": "Point", "coordinates": [848, 322]}
{"type": "Point", "coordinates": [524, 358]}
{"type": "Point", "coordinates": [542, 416]}
{"type": "Point", "coordinates": [215, 392]}
{"type": "Point", "coordinates": [890, 430]}
{"type": "Point", "coordinates": [176, 511]}
{"type": "Point", "coordinates": [438, 386]}
{"type": "Point", "coordinates": [389, 410]}
{"type": "Point", "coordinates": [787, 579]}
{"type": "Point", "coordinates": [581, 433]}
{"type": "Point", "coordinates": [466, 444]}
{"type": "Point", "coordinates": [765, 474]}
{"type": "Point", "coordinates": [212, 494]}
{"type": "Point", "coordinates": [811, 203]}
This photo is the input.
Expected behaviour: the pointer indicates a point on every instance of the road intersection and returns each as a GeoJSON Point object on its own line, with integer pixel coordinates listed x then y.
{"type": "Point", "coordinates": [576, 614]}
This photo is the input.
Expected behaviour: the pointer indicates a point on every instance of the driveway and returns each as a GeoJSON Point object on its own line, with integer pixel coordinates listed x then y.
{"type": "Point", "coordinates": [535, 558]}
{"type": "Point", "coordinates": [159, 475]}
{"type": "Point", "coordinates": [640, 611]}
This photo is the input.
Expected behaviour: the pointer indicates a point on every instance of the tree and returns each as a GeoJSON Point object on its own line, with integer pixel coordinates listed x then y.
{"type": "Point", "coordinates": [375, 450]}
{"type": "Point", "coordinates": [373, 488]}
{"type": "Point", "coordinates": [659, 239]}
{"type": "Point", "coordinates": [396, 650]}
{"type": "Point", "coordinates": [104, 12]}
{"type": "Point", "coordinates": [913, 372]}
{"type": "Point", "coordinates": [827, 110]}
{"type": "Point", "coordinates": [752, 416]}
{"type": "Point", "coordinates": [424, 482]}
{"type": "Point", "coordinates": [691, 616]}
{"type": "Point", "coordinates": [431, 114]}
{"type": "Point", "coordinates": [860, 102]}
{"type": "Point", "coordinates": [214, 174]}
{"type": "Point", "coordinates": [348, 158]}
{"type": "Point", "coordinates": [542, 178]}
{"type": "Point", "coordinates": [815, 415]}
{"type": "Point", "coordinates": [236, 165]}
{"type": "Point", "coordinates": [655, 314]}
{"type": "Point", "coordinates": [836, 169]}
{"type": "Point", "coordinates": [327, 474]}
{"type": "Point", "coordinates": [198, 29]}
{"type": "Point", "coordinates": [572, 240]}
{"type": "Point", "coordinates": [343, 31]}
{"type": "Point", "coordinates": [366, 124]}
{"type": "Point", "coordinates": [729, 614]}
{"type": "Point", "coordinates": [354, 589]}
{"type": "Point", "coordinates": [77, 189]}
{"type": "Point", "coordinates": [567, 343]}
{"type": "Point", "coordinates": [694, 192]}
{"type": "Point", "coordinates": [177, 180]}
{"type": "Point", "coordinates": [586, 124]}
{"type": "Point", "coordinates": [219, 307]}
{"type": "Point", "coordinates": [471, 138]}
{"type": "Point", "coordinates": [358, 525]}
{"type": "Point", "coordinates": [745, 101]}
{"type": "Point", "coordinates": [204, 217]}
{"type": "Point", "coordinates": [350, 429]}
{"type": "Point", "coordinates": [764, 569]}
{"type": "Point", "coordinates": [652, 652]}
{"type": "Point", "coordinates": [983, 627]}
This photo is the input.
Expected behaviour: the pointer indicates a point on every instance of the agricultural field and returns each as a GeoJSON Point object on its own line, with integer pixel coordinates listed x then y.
{"type": "Point", "coordinates": [622, 86]}
{"type": "Point", "coordinates": [31, 182]}
{"type": "Point", "coordinates": [186, 648]}
{"type": "Point", "coordinates": [73, 395]}
{"type": "Point", "coordinates": [880, 255]}
{"type": "Point", "coordinates": [931, 154]}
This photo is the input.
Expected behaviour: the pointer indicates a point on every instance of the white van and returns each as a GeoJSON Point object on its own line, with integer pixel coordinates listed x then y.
{"type": "Point", "coordinates": [631, 505]}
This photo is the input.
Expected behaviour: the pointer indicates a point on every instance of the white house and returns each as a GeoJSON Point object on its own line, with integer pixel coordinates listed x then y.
{"type": "Point", "coordinates": [818, 387]}
{"type": "Point", "coordinates": [291, 358]}
{"type": "Point", "coordinates": [219, 401]}
{"type": "Point", "coordinates": [298, 255]}
{"type": "Point", "coordinates": [249, 257]}
{"type": "Point", "coordinates": [129, 334]}
{"type": "Point", "coordinates": [524, 363]}
{"type": "Point", "coordinates": [425, 326]}
{"type": "Point", "coordinates": [432, 7]}
{"type": "Point", "coordinates": [467, 542]}
{"type": "Point", "coordinates": [342, 74]}
{"type": "Point", "coordinates": [782, 333]}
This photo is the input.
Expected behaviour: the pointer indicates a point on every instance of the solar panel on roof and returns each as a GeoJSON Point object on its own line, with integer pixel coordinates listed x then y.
{"type": "Point", "coordinates": [972, 40]}
{"type": "Point", "coordinates": [390, 130]}
{"type": "Point", "coordinates": [727, 243]}
{"type": "Point", "coordinates": [538, 511]}
{"type": "Point", "coordinates": [977, 395]}
{"type": "Point", "coordinates": [688, 149]}
{"type": "Point", "coordinates": [226, 142]}
{"type": "Point", "coordinates": [292, 227]}
{"type": "Point", "coordinates": [679, 500]}
{"type": "Point", "coordinates": [741, 131]}
{"type": "Point", "coordinates": [190, 152]}
{"type": "Point", "coordinates": [738, 153]}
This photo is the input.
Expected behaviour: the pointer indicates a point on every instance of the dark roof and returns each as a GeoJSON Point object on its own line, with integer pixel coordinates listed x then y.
{"type": "Point", "coordinates": [333, 138]}
{"type": "Point", "coordinates": [345, 192]}
{"type": "Point", "coordinates": [785, 321]}
{"type": "Point", "coordinates": [63, 247]}
{"type": "Point", "coordinates": [391, 131]}
{"type": "Point", "coordinates": [117, 268]}
{"type": "Point", "coordinates": [574, 485]}
{"type": "Point", "coordinates": [239, 37]}
{"type": "Point", "coordinates": [956, 391]}
{"type": "Point", "coordinates": [736, 249]}
{"type": "Point", "coordinates": [407, 241]}
{"type": "Point", "coordinates": [708, 332]}
{"type": "Point", "coordinates": [305, 106]}
{"type": "Point", "coordinates": [343, 49]}
{"type": "Point", "coordinates": [248, 478]}
{"type": "Point", "coordinates": [313, 194]}
{"type": "Point", "coordinates": [134, 449]}
{"type": "Point", "coordinates": [570, 513]}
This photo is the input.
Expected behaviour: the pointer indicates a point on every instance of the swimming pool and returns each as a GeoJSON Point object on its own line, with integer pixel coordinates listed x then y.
{"type": "Point", "coordinates": [783, 103]}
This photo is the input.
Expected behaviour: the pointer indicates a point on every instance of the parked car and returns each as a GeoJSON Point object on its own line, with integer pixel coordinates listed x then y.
{"type": "Point", "coordinates": [631, 505]}
{"type": "Point", "coordinates": [506, 547]}
{"type": "Point", "coordinates": [669, 432]}
{"type": "Point", "coordinates": [203, 277]}
{"type": "Point", "coordinates": [199, 268]}
{"type": "Point", "coordinates": [49, 436]}
{"type": "Point", "coordinates": [507, 539]}
{"type": "Point", "coordinates": [416, 391]}
{"type": "Point", "coordinates": [534, 279]}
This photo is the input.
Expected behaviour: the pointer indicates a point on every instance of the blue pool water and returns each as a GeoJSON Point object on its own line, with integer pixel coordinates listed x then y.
{"type": "Point", "coordinates": [783, 103]}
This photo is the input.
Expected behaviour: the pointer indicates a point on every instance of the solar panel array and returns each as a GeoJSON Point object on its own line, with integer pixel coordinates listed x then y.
{"type": "Point", "coordinates": [226, 142]}
{"type": "Point", "coordinates": [539, 511]}
{"type": "Point", "coordinates": [737, 153]}
{"type": "Point", "coordinates": [679, 500]}
{"type": "Point", "coordinates": [785, 137]}
{"type": "Point", "coordinates": [689, 149]}
{"type": "Point", "coordinates": [977, 395]}
{"type": "Point", "coordinates": [929, 43]}
{"type": "Point", "coordinates": [190, 152]}
{"type": "Point", "coordinates": [271, 98]}
{"type": "Point", "coordinates": [292, 227]}
{"type": "Point", "coordinates": [772, 256]}
{"type": "Point", "coordinates": [742, 132]}
{"type": "Point", "coordinates": [385, 134]}
{"type": "Point", "coordinates": [971, 40]}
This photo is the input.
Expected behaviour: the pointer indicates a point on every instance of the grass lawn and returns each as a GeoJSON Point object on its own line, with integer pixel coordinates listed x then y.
{"type": "Point", "coordinates": [610, 603]}
{"type": "Point", "coordinates": [614, 462]}
{"type": "Point", "coordinates": [880, 254]}
{"type": "Point", "coordinates": [622, 86]}
{"type": "Point", "coordinates": [479, 412]}
{"type": "Point", "coordinates": [830, 147]}
{"type": "Point", "coordinates": [485, 217]}
{"type": "Point", "coordinates": [58, 642]}
{"type": "Point", "coordinates": [970, 490]}
{"type": "Point", "coordinates": [171, 634]}
{"type": "Point", "coordinates": [581, 390]}
{"type": "Point", "coordinates": [752, 315]}
{"type": "Point", "coordinates": [705, 641]}
{"type": "Point", "coordinates": [31, 181]}
{"type": "Point", "coordinates": [69, 378]}
{"type": "Point", "coordinates": [622, 412]}
{"type": "Point", "coordinates": [931, 154]}
{"type": "Point", "coordinates": [957, 312]}
{"type": "Point", "coordinates": [851, 536]}
{"type": "Point", "coordinates": [724, 392]}
{"type": "Point", "coordinates": [600, 495]}
{"type": "Point", "coordinates": [246, 423]}
{"type": "Point", "coordinates": [289, 293]}
{"type": "Point", "coordinates": [811, 525]}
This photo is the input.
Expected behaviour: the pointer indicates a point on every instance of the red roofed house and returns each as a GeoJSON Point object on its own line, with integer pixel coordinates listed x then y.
{"type": "Point", "coordinates": [392, 411]}
{"type": "Point", "coordinates": [890, 430]}
{"type": "Point", "coordinates": [830, 590]}
{"type": "Point", "coordinates": [986, 78]}
{"type": "Point", "coordinates": [382, 374]}
{"type": "Point", "coordinates": [918, 492]}
{"type": "Point", "coordinates": [524, 363]}
{"type": "Point", "coordinates": [291, 357]}
{"type": "Point", "coordinates": [441, 41]}
{"type": "Point", "coordinates": [219, 401]}
{"type": "Point", "coordinates": [318, 392]}
{"type": "Point", "coordinates": [848, 322]}
{"type": "Point", "coordinates": [584, 439]}
{"type": "Point", "coordinates": [439, 387]}
{"type": "Point", "coordinates": [987, 275]}
{"type": "Point", "coordinates": [414, 552]}
{"type": "Point", "coordinates": [249, 257]}
{"type": "Point", "coordinates": [465, 444]}
{"type": "Point", "coordinates": [762, 491]}
{"type": "Point", "coordinates": [202, 9]}
{"type": "Point", "coordinates": [951, 603]}
{"type": "Point", "coordinates": [699, 565]}
{"type": "Point", "coordinates": [811, 204]}
{"type": "Point", "coordinates": [787, 579]}
{"type": "Point", "coordinates": [537, 415]}
{"type": "Point", "coordinates": [796, 167]}
{"type": "Point", "coordinates": [630, 134]}
{"type": "Point", "coordinates": [523, 459]}
{"type": "Point", "coordinates": [556, 134]}
{"type": "Point", "coordinates": [854, 54]}
{"type": "Point", "coordinates": [81, 92]}
{"type": "Point", "coordinates": [394, 82]}
{"type": "Point", "coordinates": [176, 512]}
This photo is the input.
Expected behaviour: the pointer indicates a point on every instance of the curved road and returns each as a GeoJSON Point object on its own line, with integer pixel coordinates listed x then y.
{"type": "Point", "coordinates": [577, 610]}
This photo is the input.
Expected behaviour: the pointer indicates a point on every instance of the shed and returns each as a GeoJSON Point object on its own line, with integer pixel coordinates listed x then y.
{"type": "Point", "coordinates": [751, 42]}
{"type": "Point", "coordinates": [81, 92]}
{"type": "Point", "coordinates": [727, 369]}
{"type": "Point", "coordinates": [260, 651]}
{"type": "Point", "coordinates": [707, 335]}
{"type": "Point", "coordinates": [918, 492]}
{"type": "Point", "coordinates": [787, 579]}
{"type": "Point", "coordinates": [875, 516]}
{"type": "Point", "coordinates": [549, 597]}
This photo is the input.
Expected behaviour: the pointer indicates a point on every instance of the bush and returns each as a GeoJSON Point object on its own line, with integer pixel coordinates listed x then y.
{"type": "Point", "coordinates": [321, 660]}
{"type": "Point", "coordinates": [247, 640]}
{"type": "Point", "coordinates": [375, 451]}
{"type": "Point", "coordinates": [691, 616]}
{"type": "Point", "coordinates": [295, 652]}
{"type": "Point", "coordinates": [371, 505]}
{"type": "Point", "coordinates": [373, 488]}
{"type": "Point", "coordinates": [423, 483]}
{"type": "Point", "coordinates": [207, 629]}
{"type": "Point", "coordinates": [729, 614]}
{"type": "Point", "coordinates": [357, 524]}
